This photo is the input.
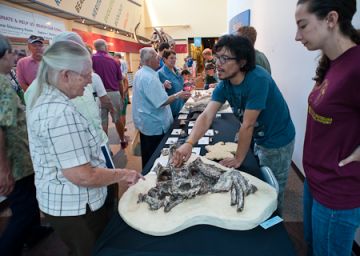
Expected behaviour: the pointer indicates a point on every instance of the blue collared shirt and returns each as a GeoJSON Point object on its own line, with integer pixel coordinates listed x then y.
{"type": "Point", "coordinates": [150, 117]}
{"type": "Point", "coordinates": [177, 85]}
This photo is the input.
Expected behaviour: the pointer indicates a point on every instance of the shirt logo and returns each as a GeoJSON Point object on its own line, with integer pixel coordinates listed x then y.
{"type": "Point", "coordinates": [321, 91]}
{"type": "Point", "coordinates": [319, 118]}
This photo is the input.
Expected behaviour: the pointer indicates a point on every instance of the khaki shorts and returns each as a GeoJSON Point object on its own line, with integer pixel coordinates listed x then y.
{"type": "Point", "coordinates": [117, 103]}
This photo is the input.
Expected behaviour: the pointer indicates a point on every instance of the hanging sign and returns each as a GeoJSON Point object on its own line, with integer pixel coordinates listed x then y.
{"type": "Point", "coordinates": [19, 23]}
{"type": "Point", "coordinates": [121, 14]}
{"type": "Point", "coordinates": [197, 41]}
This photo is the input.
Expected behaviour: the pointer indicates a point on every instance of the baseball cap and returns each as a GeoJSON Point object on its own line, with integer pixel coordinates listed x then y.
{"type": "Point", "coordinates": [34, 38]}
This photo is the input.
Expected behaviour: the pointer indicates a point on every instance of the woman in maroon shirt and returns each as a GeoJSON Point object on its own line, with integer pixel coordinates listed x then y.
{"type": "Point", "coordinates": [331, 155]}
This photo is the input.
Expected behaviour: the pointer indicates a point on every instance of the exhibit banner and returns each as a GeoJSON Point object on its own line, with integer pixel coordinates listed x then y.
{"type": "Point", "coordinates": [121, 14]}
{"type": "Point", "coordinates": [18, 23]}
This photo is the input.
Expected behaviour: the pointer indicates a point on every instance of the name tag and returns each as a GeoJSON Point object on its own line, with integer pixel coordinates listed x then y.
{"type": "Point", "coordinates": [271, 222]}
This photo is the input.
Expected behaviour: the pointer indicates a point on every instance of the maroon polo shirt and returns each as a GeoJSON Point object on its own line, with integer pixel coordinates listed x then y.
{"type": "Point", "coordinates": [107, 68]}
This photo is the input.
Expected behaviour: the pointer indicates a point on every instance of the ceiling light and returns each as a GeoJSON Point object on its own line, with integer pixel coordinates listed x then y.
{"type": "Point", "coordinates": [82, 21]}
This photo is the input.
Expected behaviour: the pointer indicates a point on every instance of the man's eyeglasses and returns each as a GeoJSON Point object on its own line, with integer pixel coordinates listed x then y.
{"type": "Point", "coordinates": [86, 76]}
{"type": "Point", "coordinates": [223, 59]}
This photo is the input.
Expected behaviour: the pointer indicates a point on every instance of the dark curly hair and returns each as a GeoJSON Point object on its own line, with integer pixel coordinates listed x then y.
{"type": "Point", "coordinates": [163, 46]}
{"type": "Point", "coordinates": [240, 47]}
{"type": "Point", "coordinates": [346, 10]}
{"type": "Point", "coordinates": [167, 53]}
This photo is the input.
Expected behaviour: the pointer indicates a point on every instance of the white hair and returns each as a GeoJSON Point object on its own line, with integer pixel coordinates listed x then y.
{"type": "Point", "coordinates": [146, 54]}
{"type": "Point", "coordinates": [69, 36]}
{"type": "Point", "coordinates": [61, 55]}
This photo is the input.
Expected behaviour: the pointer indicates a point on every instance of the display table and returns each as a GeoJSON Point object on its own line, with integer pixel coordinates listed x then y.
{"type": "Point", "coordinates": [120, 239]}
{"type": "Point", "coordinates": [227, 125]}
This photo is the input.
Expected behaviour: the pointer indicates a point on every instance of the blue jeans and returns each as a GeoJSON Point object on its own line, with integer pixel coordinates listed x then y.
{"type": "Point", "coordinates": [328, 232]}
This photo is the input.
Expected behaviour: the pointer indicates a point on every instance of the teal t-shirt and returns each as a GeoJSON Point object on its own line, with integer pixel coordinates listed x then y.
{"type": "Point", "coordinates": [258, 91]}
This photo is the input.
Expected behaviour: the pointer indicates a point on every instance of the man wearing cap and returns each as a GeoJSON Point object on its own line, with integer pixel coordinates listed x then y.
{"type": "Point", "coordinates": [27, 67]}
{"type": "Point", "coordinates": [211, 78]}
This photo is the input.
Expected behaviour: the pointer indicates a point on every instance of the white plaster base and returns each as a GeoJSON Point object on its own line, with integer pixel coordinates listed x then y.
{"type": "Point", "coordinates": [213, 209]}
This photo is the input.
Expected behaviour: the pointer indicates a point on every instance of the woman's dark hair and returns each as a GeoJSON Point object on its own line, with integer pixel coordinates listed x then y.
{"type": "Point", "coordinates": [163, 46]}
{"type": "Point", "coordinates": [346, 10]}
{"type": "Point", "coordinates": [167, 53]}
{"type": "Point", "coordinates": [4, 45]}
{"type": "Point", "coordinates": [240, 47]}
{"type": "Point", "coordinates": [185, 72]}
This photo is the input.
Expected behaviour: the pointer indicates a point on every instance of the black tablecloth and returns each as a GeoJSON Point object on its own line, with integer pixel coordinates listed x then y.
{"type": "Point", "coordinates": [227, 125]}
{"type": "Point", "coordinates": [120, 239]}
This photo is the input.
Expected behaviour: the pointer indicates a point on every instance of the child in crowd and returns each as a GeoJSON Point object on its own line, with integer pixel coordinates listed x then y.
{"type": "Point", "coordinates": [211, 78]}
{"type": "Point", "coordinates": [188, 81]}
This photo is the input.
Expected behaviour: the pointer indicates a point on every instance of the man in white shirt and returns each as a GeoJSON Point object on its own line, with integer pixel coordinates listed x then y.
{"type": "Point", "coordinates": [151, 111]}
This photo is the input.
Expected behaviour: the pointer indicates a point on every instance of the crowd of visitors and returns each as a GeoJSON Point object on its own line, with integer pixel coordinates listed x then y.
{"type": "Point", "coordinates": [54, 120]}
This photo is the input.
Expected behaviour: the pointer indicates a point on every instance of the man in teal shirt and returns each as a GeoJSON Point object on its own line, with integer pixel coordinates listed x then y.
{"type": "Point", "coordinates": [257, 102]}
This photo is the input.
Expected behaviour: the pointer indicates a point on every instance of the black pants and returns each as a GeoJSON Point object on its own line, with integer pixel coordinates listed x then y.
{"type": "Point", "coordinates": [80, 233]}
{"type": "Point", "coordinates": [148, 146]}
{"type": "Point", "coordinates": [25, 217]}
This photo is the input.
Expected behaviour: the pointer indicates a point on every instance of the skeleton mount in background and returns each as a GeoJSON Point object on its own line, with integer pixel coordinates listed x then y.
{"type": "Point", "coordinates": [157, 37]}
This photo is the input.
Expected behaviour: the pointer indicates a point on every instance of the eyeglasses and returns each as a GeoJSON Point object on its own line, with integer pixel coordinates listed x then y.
{"type": "Point", "coordinates": [86, 76]}
{"type": "Point", "coordinates": [223, 59]}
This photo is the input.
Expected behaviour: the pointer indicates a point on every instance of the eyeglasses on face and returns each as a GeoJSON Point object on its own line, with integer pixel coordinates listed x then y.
{"type": "Point", "coordinates": [223, 59]}
{"type": "Point", "coordinates": [85, 76]}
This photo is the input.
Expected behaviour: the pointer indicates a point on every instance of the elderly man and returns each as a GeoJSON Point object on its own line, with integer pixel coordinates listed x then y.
{"type": "Point", "coordinates": [109, 71]}
{"type": "Point", "coordinates": [151, 111]}
{"type": "Point", "coordinates": [27, 67]}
